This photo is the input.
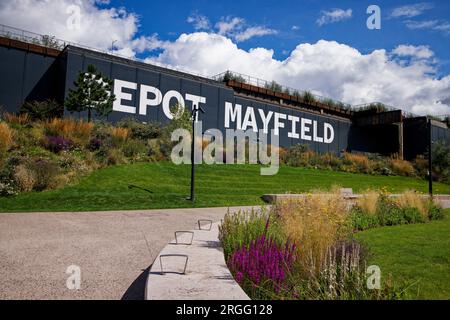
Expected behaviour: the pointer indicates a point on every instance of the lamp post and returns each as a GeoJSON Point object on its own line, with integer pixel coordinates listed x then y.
{"type": "Point", "coordinates": [430, 160]}
{"type": "Point", "coordinates": [112, 45]}
{"type": "Point", "coordinates": [194, 114]}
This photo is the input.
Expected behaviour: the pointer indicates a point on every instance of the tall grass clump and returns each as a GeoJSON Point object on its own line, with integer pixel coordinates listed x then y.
{"type": "Point", "coordinates": [406, 208]}
{"type": "Point", "coordinates": [368, 202]}
{"type": "Point", "coordinates": [314, 223]}
{"type": "Point", "coordinates": [341, 276]}
{"type": "Point", "coordinates": [412, 199]}
{"type": "Point", "coordinates": [239, 229]}
{"type": "Point", "coordinates": [17, 119]}
{"type": "Point", "coordinates": [6, 137]}
{"type": "Point", "coordinates": [402, 167]}
{"type": "Point", "coordinates": [78, 131]}
{"type": "Point", "coordinates": [119, 135]}
{"type": "Point", "coordinates": [359, 162]}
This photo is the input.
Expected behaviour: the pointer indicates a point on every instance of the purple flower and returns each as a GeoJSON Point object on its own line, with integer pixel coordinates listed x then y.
{"type": "Point", "coordinates": [263, 260]}
{"type": "Point", "coordinates": [95, 144]}
{"type": "Point", "coordinates": [58, 144]}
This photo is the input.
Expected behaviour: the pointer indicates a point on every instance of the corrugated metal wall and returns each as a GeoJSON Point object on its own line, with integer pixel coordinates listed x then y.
{"type": "Point", "coordinates": [216, 95]}
{"type": "Point", "coordinates": [29, 76]}
{"type": "Point", "coordinates": [32, 76]}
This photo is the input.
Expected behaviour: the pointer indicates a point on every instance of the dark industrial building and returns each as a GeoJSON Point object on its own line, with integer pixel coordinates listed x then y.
{"type": "Point", "coordinates": [144, 91]}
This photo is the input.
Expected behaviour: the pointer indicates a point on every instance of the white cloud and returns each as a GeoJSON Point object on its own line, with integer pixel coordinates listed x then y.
{"type": "Point", "coordinates": [444, 27]}
{"type": "Point", "coordinates": [415, 25]}
{"type": "Point", "coordinates": [418, 52]}
{"type": "Point", "coordinates": [327, 68]}
{"type": "Point", "coordinates": [436, 25]}
{"type": "Point", "coordinates": [237, 29]}
{"type": "Point", "coordinates": [199, 21]}
{"type": "Point", "coordinates": [294, 28]}
{"type": "Point", "coordinates": [229, 25]}
{"type": "Point", "coordinates": [333, 16]}
{"type": "Point", "coordinates": [253, 32]}
{"type": "Point", "coordinates": [98, 27]}
{"type": "Point", "coordinates": [412, 10]}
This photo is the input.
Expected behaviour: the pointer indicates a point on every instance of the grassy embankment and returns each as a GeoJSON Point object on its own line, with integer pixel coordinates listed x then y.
{"type": "Point", "coordinates": [164, 185]}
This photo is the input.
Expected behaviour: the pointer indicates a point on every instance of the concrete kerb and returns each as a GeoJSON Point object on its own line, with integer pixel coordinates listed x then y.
{"type": "Point", "coordinates": [206, 274]}
{"type": "Point", "coordinates": [442, 200]}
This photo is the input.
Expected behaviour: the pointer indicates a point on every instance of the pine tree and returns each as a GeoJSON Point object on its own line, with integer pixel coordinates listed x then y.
{"type": "Point", "coordinates": [92, 93]}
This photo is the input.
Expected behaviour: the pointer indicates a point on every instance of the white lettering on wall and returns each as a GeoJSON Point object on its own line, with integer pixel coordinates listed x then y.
{"type": "Point", "coordinates": [316, 133]}
{"type": "Point", "coordinates": [328, 133]}
{"type": "Point", "coordinates": [149, 96]}
{"type": "Point", "coordinates": [120, 95]}
{"type": "Point", "coordinates": [278, 124]}
{"type": "Point", "coordinates": [293, 133]}
{"type": "Point", "coordinates": [172, 94]}
{"type": "Point", "coordinates": [196, 100]}
{"type": "Point", "coordinates": [250, 120]}
{"type": "Point", "coordinates": [235, 115]}
{"type": "Point", "coordinates": [304, 129]}
{"type": "Point", "coordinates": [265, 120]}
{"type": "Point", "coordinates": [144, 101]}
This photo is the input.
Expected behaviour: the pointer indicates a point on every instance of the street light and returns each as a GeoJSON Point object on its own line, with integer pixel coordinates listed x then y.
{"type": "Point", "coordinates": [430, 160]}
{"type": "Point", "coordinates": [112, 45]}
{"type": "Point", "coordinates": [194, 113]}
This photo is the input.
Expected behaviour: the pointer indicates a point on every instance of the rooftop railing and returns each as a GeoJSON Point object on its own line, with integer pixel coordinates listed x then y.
{"type": "Point", "coordinates": [276, 87]}
{"type": "Point", "coordinates": [59, 44]}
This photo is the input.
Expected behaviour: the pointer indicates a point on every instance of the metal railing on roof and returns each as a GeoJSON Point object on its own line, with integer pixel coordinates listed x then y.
{"type": "Point", "coordinates": [59, 44]}
{"type": "Point", "coordinates": [55, 43]}
{"type": "Point", "coordinates": [276, 87]}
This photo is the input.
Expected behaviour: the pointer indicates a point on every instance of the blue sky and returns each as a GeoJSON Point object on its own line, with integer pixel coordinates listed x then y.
{"type": "Point", "coordinates": [295, 22]}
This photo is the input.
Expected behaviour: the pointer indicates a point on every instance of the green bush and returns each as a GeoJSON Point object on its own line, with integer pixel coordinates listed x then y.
{"type": "Point", "coordinates": [44, 172]}
{"type": "Point", "coordinates": [412, 215]}
{"type": "Point", "coordinates": [241, 228]}
{"type": "Point", "coordinates": [133, 148]}
{"type": "Point", "coordinates": [115, 157]}
{"type": "Point", "coordinates": [8, 188]}
{"type": "Point", "coordinates": [389, 213]}
{"type": "Point", "coordinates": [435, 212]}
{"type": "Point", "coordinates": [42, 110]}
{"type": "Point", "coordinates": [360, 220]}
{"type": "Point", "coordinates": [441, 161]}
{"type": "Point", "coordinates": [141, 131]}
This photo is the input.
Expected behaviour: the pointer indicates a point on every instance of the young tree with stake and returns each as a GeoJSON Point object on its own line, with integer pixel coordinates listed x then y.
{"type": "Point", "coordinates": [92, 93]}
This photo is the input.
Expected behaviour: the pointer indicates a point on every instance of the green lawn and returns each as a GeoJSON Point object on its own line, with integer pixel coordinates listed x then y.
{"type": "Point", "coordinates": [414, 254]}
{"type": "Point", "coordinates": [167, 186]}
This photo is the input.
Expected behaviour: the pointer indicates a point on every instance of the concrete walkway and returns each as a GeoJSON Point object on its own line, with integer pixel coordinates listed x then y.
{"type": "Point", "coordinates": [206, 276]}
{"type": "Point", "coordinates": [114, 250]}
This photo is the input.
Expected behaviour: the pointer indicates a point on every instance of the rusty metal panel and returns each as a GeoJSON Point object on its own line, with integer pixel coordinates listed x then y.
{"type": "Point", "coordinates": [388, 117]}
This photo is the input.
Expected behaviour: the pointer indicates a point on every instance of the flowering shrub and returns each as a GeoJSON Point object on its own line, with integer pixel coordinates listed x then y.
{"type": "Point", "coordinates": [263, 263]}
{"type": "Point", "coordinates": [6, 137]}
{"type": "Point", "coordinates": [304, 248]}
{"type": "Point", "coordinates": [240, 229]}
{"type": "Point", "coordinates": [7, 189]}
{"type": "Point", "coordinates": [44, 172]}
{"type": "Point", "coordinates": [58, 144]}
{"type": "Point", "coordinates": [95, 144]}
{"type": "Point", "coordinates": [376, 210]}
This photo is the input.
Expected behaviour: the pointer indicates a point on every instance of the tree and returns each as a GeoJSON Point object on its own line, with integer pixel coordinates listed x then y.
{"type": "Point", "coordinates": [92, 93]}
{"type": "Point", "coordinates": [42, 110]}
